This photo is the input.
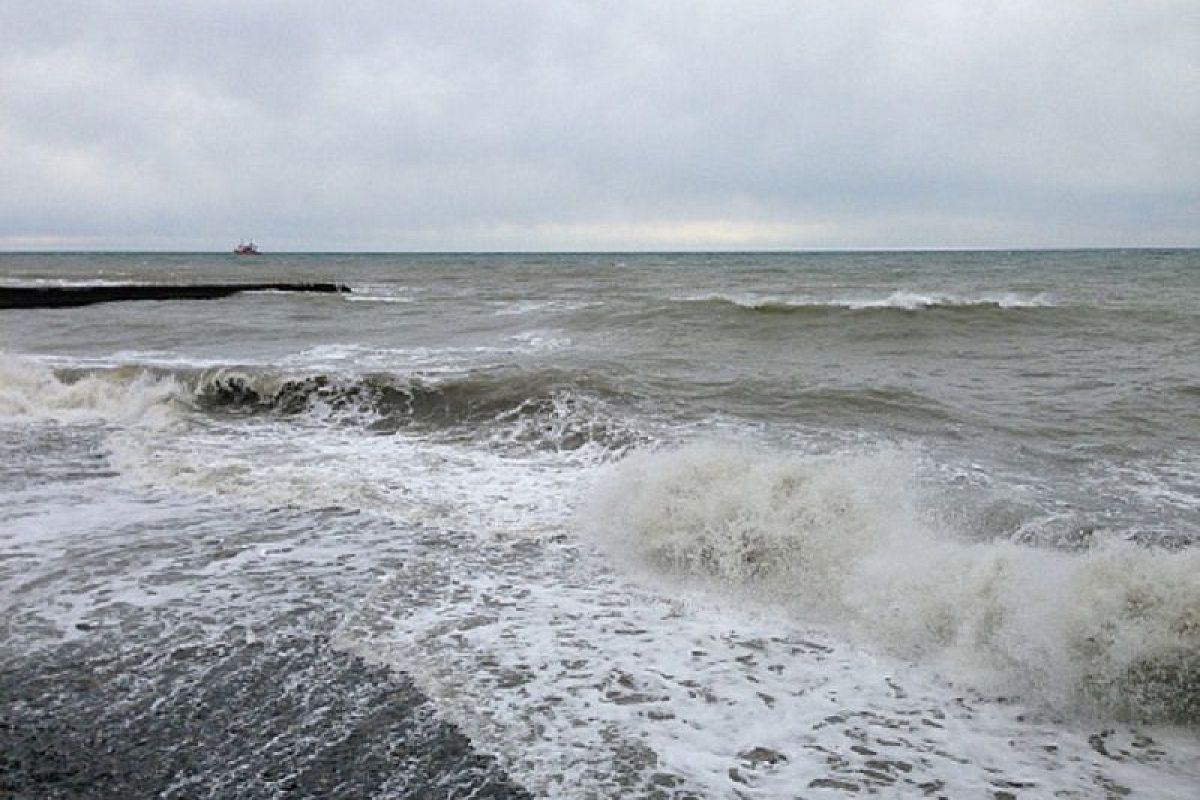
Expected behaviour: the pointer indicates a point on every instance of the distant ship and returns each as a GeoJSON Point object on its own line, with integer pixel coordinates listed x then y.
{"type": "Point", "coordinates": [247, 249]}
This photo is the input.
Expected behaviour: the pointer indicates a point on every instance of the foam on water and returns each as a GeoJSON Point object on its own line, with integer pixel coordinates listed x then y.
{"type": "Point", "coordinates": [715, 621]}
{"type": "Point", "coordinates": [594, 678]}
{"type": "Point", "coordinates": [509, 309]}
{"type": "Point", "coordinates": [902, 299]}
{"type": "Point", "coordinates": [760, 623]}
{"type": "Point", "coordinates": [432, 485]}
{"type": "Point", "coordinates": [157, 645]}
{"type": "Point", "coordinates": [587, 685]}
{"type": "Point", "coordinates": [911, 301]}
{"type": "Point", "coordinates": [427, 359]}
{"type": "Point", "coordinates": [32, 391]}
{"type": "Point", "coordinates": [846, 541]}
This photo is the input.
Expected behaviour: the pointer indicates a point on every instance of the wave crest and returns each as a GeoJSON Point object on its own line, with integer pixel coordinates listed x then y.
{"type": "Point", "coordinates": [33, 391]}
{"type": "Point", "coordinates": [1115, 629]}
{"type": "Point", "coordinates": [720, 511]}
{"type": "Point", "coordinates": [902, 300]}
{"type": "Point", "coordinates": [546, 410]}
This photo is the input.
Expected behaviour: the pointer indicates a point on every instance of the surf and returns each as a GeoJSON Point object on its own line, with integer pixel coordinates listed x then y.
{"type": "Point", "coordinates": [33, 391]}
{"type": "Point", "coordinates": [899, 300]}
{"type": "Point", "coordinates": [852, 542]}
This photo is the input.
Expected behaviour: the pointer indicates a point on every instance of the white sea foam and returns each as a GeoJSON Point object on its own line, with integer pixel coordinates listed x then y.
{"type": "Point", "coordinates": [271, 464]}
{"type": "Point", "coordinates": [588, 686]}
{"type": "Point", "coordinates": [355, 297]}
{"type": "Point", "coordinates": [540, 340]}
{"type": "Point", "coordinates": [428, 360]}
{"type": "Point", "coordinates": [379, 293]}
{"type": "Point", "coordinates": [148, 359]}
{"type": "Point", "coordinates": [508, 309]}
{"type": "Point", "coordinates": [911, 301]}
{"type": "Point", "coordinates": [846, 541]}
{"type": "Point", "coordinates": [30, 390]}
{"type": "Point", "coordinates": [903, 299]}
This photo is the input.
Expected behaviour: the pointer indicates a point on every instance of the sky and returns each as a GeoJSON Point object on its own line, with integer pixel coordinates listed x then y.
{"type": "Point", "coordinates": [598, 125]}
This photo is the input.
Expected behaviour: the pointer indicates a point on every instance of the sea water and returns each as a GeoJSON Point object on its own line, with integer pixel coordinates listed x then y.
{"type": "Point", "coordinates": [605, 525]}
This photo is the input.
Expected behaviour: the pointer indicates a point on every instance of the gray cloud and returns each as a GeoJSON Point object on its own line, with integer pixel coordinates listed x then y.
{"type": "Point", "coordinates": [543, 125]}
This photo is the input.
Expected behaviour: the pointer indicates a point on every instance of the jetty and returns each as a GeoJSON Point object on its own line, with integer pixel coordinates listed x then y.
{"type": "Point", "coordinates": [70, 296]}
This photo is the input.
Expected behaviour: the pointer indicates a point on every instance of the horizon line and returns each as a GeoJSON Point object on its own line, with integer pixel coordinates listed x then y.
{"type": "Point", "coordinates": [668, 251]}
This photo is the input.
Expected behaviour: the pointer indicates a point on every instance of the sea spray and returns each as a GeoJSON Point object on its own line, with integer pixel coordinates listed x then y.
{"type": "Point", "coordinates": [784, 528]}
{"type": "Point", "coordinates": [30, 390]}
{"type": "Point", "coordinates": [851, 542]}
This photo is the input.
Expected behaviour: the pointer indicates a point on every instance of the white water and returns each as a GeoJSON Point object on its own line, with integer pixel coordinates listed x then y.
{"type": "Point", "coordinates": [754, 622]}
{"type": "Point", "coordinates": [905, 300]}
{"type": "Point", "coordinates": [31, 391]}
{"type": "Point", "coordinates": [848, 541]}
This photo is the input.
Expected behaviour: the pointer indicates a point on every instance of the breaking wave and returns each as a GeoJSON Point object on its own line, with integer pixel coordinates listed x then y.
{"type": "Point", "coordinates": [549, 410]}
{"type": "Point", "coordinates": [896, 301]}
{"type": "Point", "coordinates": [32, 391]}
{"type": "Point", "coordinates": [1114, 629]}
{"type": "Point", "coordinates": [546, 410]}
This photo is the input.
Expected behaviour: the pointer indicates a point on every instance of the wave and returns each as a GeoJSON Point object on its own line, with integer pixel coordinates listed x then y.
{"type": "Point", "coordinates": [1188, 390]}
{"type": "Point", "coordinates": [900, 404]}
{"type": "Point", "coordinates": [541, 410]}
{"type": "Point", "coordinates": [903, 300]}
{"type": "Point", "coordinates": [544, 410]}
{"type": "Point", "coordinates": [30, 390]}
{"type": "Point", "coordinates": [1114, 629]}
{"type": "Point", "coordinates": [378, 298]}
{"type": "Point", "coordinates": [520, 308]}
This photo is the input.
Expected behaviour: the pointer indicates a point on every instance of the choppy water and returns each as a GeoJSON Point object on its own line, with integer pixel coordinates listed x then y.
{"type": "Point", "coordinates": [748, 525]}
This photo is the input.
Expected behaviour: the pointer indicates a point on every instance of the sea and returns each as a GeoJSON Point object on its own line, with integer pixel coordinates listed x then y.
{"type": "Point", "coordinates": [691, 525]}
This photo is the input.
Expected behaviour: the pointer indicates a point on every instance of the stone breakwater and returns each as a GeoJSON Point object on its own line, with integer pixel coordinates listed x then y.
{"type": "Point", "coordinates": [69, 296]}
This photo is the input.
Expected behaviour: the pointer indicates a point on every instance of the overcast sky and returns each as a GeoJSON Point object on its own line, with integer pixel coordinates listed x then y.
{"type": "Point", "coordinates": [597, 125]}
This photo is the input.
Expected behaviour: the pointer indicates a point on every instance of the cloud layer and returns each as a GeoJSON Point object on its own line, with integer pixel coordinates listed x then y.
{"type": "Point", "coordinates": [589, 125]}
